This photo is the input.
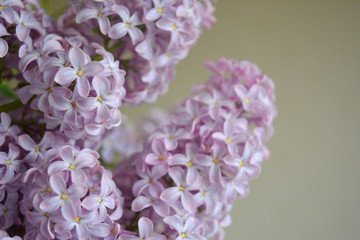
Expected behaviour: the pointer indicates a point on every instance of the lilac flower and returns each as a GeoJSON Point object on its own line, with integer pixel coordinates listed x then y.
{"type": "Point", "coordinates": [175, 27]}
{"type": "Point", "coordinates": [153, 200]}
{"type": "Point", "coordinates": [187, 161]}
{"type": "Point", "coordinates": [242, 163]}
{"type": "Point", "coordinates": [230, 137]}
{"type": "Point", "coordinates": [10, 162]}
{"type": "Point", "coordinates": [128, 25]}
{"type": "Point", "coordinates": [146, 229]}
{"type": "Point", "coordinates": [170, 136]}
{"type": "Point", "coordinates": [4, 47]}
{"type": "Point", "coordinates": [181, 190]}
{"type": "Point", "coordinates": [85, 225]}
{"type": "Point", "coordinates": [96, 12]}
{"type": "Point", "coordinates": [105, 199]}
{"type": "Point", "coordinates": [6, 129]}
{"type": "Point", "coordinates": [159, 154]}
{"type": "Point", "coordinates": [7, 11]}
{"type": "Point", "coordinates": [74, 162]}
{"type": "Point", "coordinates": [150, 180]}
{"type": "Point", "coordinates": [9, 211]}
{"type": "Point", "coordinates": [36, 151]}
{"type": "Point", "coordinates": [185, 231]}
{"type": "Point", "coordinates": [82, 67]}
{"type": "Point", "coordinates": [160, 9]}
{"type": "Point", "coordinates": [25, 22]}
{"type": "Point", "coordinates": [105, 98]}
{"type": "Point", "coordinates": [65, 198]}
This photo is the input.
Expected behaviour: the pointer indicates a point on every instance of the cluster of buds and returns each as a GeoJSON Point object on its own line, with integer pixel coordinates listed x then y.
{"type": "Point", "coordinates": [193, 168]}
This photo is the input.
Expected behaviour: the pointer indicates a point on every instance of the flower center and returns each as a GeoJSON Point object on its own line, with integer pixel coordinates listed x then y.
{"type": "Point", "coordinates": [80, 72]}
{"type": "Point", "coordinates": [216, 161]}
{"type": "Point", "coordinates": [181, 188]}
{"type": "Point", "coordinates": [37, 148]}
{"type": "Point", "coordinates": [161, 157]}
{"type": "Point", "coordinates": [100, 200]}
{"type": "Point", "coordinates": [241, 164]}
{"type": "Point", "coordinates": [64, 196]}
{"type": "Point", "coordinates": [2, 7]}
{"type": "Point", "coordinates": [5, 209]}
{"type": "Point", "coordinates": [77, 219]}
{"type": "Point", "coordinates": [151, 180]}
{"type": "Point", "coordinates": [100, 99]}
{"type": "Point", "coordinates": [228, 140]}
{"type": "Point", "coordinates": [183, 235]}
{"type": "Point", "coordinates": [47, 214]}
{"type": "Point", "coordinates": [74, 104]}
{"type": "Point", "coordinates": [72, 167]}
{"type": "Point", "coordinates": [8, 162]}
{"type": "Point", "coordinates": [173, 26]}
{"type": "Point", "coordinates": [189, 164]}
{"type": "Point", "coordinates": [22, 25]}
{"type": "Point", "coordinates": [127, 25]}
{"type": "Point", "coordinates": [48, 190]}
{"type": "Point", "coordinates": [246, 100]}
{"type": "Point", "coordinates": [159, 10]}
{"type": "Point", "coordinates": [50, 90]}
{"type": "Point", "coordinates": [99, 15]}
{"type": "Point", "coordinates": [115, 230]}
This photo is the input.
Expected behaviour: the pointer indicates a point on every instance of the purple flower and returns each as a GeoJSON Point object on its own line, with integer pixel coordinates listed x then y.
{"type": "Point", "coordinates": [10, 163]}
{"type": "Point", "coordinates": [36, 151]}
{"type": "Point", "coordinates": [128, 25]}
{"type": "Point", "coordinates": [230, 137]}
{"type": "Point", "coordinates": [182, 189]}
{"type": "Point", "coordinates": [4, 47]}
{"type": "Point", "coordinates": [65, 198]}
{"type": "Point", "coordinates": [25, 22]}
{"type": "Point", "coordinates": [146, 229]}
{"type": "Point", "coordinates": [187, 231]}
{"type": "Point", "coordinates": [159, 154]}
{"type": "Point", "coordinates": [81, 69]}
{"type": "Point", "coordinates": [160, 9]}
{"type": "Point", "coordinates": [6, 130]}
{"type": "Point", "coordinates": [96, 12]}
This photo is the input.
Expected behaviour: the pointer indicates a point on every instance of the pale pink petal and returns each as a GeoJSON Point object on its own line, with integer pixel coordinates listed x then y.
{"type": "Point", "coordinates": [118, 31]}
{"type": "Point", "coordinates": [65, 76]}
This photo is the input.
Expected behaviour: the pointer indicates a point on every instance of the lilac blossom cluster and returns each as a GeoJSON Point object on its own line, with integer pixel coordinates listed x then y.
{"type": "Point", "coordinates": [194, 167]}
{"type": "Point", "coordinates": [149, 37]}
{"type": "Point", "coordinates": [54, 189]}
{"type": "Point", "coordinates": [62, 83]}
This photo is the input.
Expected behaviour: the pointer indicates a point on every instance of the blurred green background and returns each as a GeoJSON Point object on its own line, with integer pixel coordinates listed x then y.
{"type": "Point", "coordinates": [310, 186]}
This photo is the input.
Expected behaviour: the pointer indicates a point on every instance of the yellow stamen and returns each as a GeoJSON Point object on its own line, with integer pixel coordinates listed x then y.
{"type": "Point", "coordinates": [8, 162]}
{"type": "Point", "coordinates": [5, 209]}
{"type": "Point", "coordinates": [216, 161]}
{"type": "Point", "coordinates": [99, 15]}
{"type": "Point", "coordinates": [50, 90]}
{"type": "Point", "coordinates": [48, 190]}
{"type": "Point", "coordinates": [189, 164]}
{"type": "Point", "coordinates": [151, 180]}
{"type": "Point", "coordinates": [159, 10]}
{"type": "Point", "coordinates": [173, 26]}
{"type": "Point", "coordinates": [47, 214]}
{"type": "Point", "coordinates": [183, 235]}
{"type": "Point", "coordinates": [100, 200]}
{"type": "Point", "coordinates": [127, 25]}
{"type": "Point", "coordinates": [216, 104]}
{"type": "Point", "coordinates": [66, 64]}
{"type": "Point", "coordinates": [77, 219]}
{"type": "Point", "coordinates": [241, 164]}
{"type": "Point", "coordinates": [168, 54]}
{"type": "Point", "coordinates": [181, 188]}
{"type": "Point", "coordinates": [37, 148]}
{"type": "Point", "coordinates": [92, 190]}
{"type": "Point", "coordinates": [64, 196]}
{"type": "Point", "coordinates": [161, 157]}
{"type": "Point", "coordinates": [80, 72]}
{"type": "Point", "coordinates": [99, 99]}
{"type": "Point", "coordinates": [22, 25]}
{"type": "Point", "coordinates": [2, 7]}
{"type": "Point", "coordinates": [228, 140]}
{"type": "Point", "coordinates": [246, 100]}
{"type": "Point", "coordinates": [72, 167]}
{"type": "Point", "coordinates": [171, 138]}
{"type": "Point", "coordinates": [74, 104]}
{"type": "Point", "coordinates": [202, 193]}
{"type": "Point", "coordinates": [115, 230]}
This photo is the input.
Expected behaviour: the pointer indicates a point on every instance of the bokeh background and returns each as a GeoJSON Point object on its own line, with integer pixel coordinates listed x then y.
{"type": "Point", "coordinates": [310, 186]}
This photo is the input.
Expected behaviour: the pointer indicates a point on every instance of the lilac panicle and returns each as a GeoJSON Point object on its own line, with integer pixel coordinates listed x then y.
{"type": "Point", "coordinates": [210, 149]}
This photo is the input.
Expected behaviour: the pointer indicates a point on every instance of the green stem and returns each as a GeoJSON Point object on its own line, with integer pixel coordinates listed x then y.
{"type": "Point", "coordinates": [11, 106]}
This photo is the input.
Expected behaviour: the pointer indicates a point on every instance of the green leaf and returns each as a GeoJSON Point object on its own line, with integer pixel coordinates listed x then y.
{"type": "Point", "coordinates": [7, 91]}
{"type": "Point", "coordinates": [11, 106]}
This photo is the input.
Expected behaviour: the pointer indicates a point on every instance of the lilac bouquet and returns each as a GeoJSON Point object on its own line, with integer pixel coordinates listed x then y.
{"type": "Point", "coordinates": [72, 167]}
